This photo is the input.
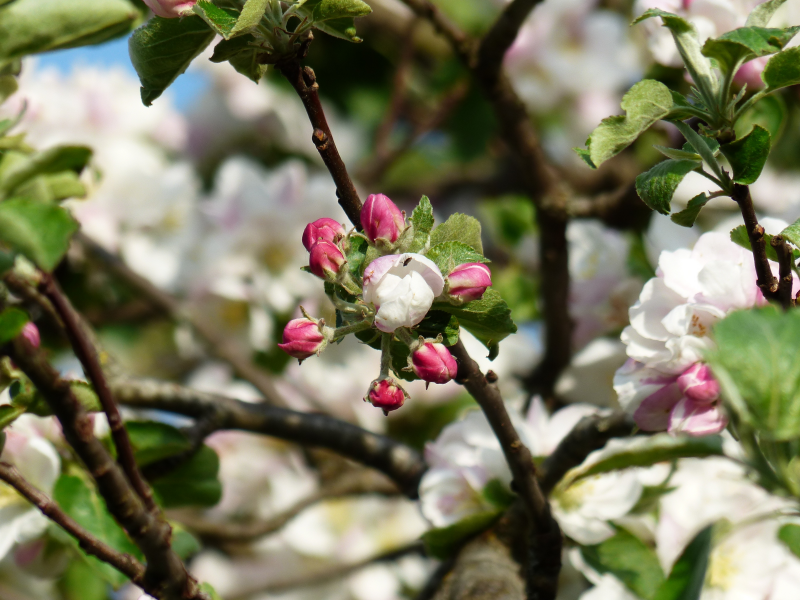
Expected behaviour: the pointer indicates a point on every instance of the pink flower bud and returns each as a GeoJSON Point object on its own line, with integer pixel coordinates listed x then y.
{"type": "Point", "coordinates": [381, 219]}
{"type": "Point", "coordinates": [433, 362]}
{"type": "Point", "coordinates": [386, 394]}
{"type": "Point", "coordinates": [31, 333]}
{"type": "Point", "coordinates": [325, 257]}
{"type": "Point", "coordinates": [322, 230]}
{"type": "Point", "coordinates": [302, 338]}
{"type": "Point", "coordinates": [698, 384]}
{"type": "Point", "coordinates": [468, 281]}
{"type": "Point", "coordinates": [171, 9]}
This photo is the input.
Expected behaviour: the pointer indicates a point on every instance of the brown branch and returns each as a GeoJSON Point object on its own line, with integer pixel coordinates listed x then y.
{"type": "Point", "coordinates": [460, 42]}
{"type": "Point", "coordinates": [124, 563]}
{"type": "Point", "coordinates": [399, 462]}
{"type": "Point", "coordinates": [545, 536]}
{"type": "Point", "coordinates": [87, 355]}
{"type": "Point", "coordinates": [501, 36]}
{"type": "Point", "coordinates": [217, 343]}
{"type": "Point", "coordinates": [165, 574]}
{"type": "Point", "coordinates": [785, 258]}
{"type": "Point", "coordinates": [755, 232]}
{"type": "Point", "coordinates": [305, 84]}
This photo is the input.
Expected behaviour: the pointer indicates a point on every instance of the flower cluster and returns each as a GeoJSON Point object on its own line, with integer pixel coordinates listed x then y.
{"type": "Point", "coordinates": [383, 286]}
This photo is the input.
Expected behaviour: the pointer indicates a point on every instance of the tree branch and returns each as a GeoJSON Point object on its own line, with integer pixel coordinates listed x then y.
{"type": "Point", "coordinates": [399, 462]}
{"type": "Point", "coordinates": [305, 84]}
{"type": "Point", "coordinates": [501, 36]}
{"type": "Point", "coordinates": [785, 259]}
{"type": "Point", "coordinates": [124, 563]}
{"type": "Point", "coordinates": [545, 535]}
{"type": "Point", "coordinates": [87, 355]}
{"type": "Point", "coordinates": [165, 574]}
{"type": "Point", "coordinates": [755, 232]}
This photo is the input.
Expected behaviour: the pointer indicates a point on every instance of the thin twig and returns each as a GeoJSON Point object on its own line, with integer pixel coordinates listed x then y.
{"type": "Point", "coordinates": [785, 258]}
{"type": "Point", "coordinates": [545, 536]}
{"type": "Point", "coordinates": [499, 38]}
{"type": "Point", "coordinates": [305, 84]}
{"type": "Point", "coordinates": [87, 355]}
{"type": "Point", "coordinates": [124, 563]}
{"type": "Point", "coordinates": [755, 232]}
{"type": "Point", "coordinates": [399, 462]}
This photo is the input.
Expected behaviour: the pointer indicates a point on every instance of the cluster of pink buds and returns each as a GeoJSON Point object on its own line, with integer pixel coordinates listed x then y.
{"type": "Point", "coordinates": [324, 239]}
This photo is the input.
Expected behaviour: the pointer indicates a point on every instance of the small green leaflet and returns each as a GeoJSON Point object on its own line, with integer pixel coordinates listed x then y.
{"type": "Point", "coordinates": [748, 155]}
{"type": "Point", "coordinates": [194, 483]}
{"type": "Point", "coordinates": [335, 17]}
{"type": "Point", "coordinates": [688, 215]}
{"type": "Point", "coordinates": [739, 46]}
{"type": "Point", "coordinates": [252, 11]}
{"type": "Point", "coordinates": [222, 21]}
{"type": "Point", "coordinates": [792, 233]}
{"type": "Point", "coordinates": [783, 69]}
{"type": "Point", "coordinates": [657, 186]}
{"type": "Point", "coordinates": [422, 221]}
{"type": "Point", "coordinates": [41, 232]}
{"type": "Point", "coordinates": [739, 236]}
{"type": "Point", "coordinates": [459, 228]}
{"type": "Point", "coordinates": [50, 161]}
{"type": "Point", "coordinates": [762, 13]}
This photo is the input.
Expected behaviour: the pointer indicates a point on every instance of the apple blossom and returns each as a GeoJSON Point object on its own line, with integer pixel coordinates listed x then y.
{"type": "Point", "coordinates": [322, 229]}
{"type": "Point", "coordinates": [171, 9]}
{"type": "Point", "coordinates": [31, 333]}
{"type": "Point", "coordinates": [468, 282]}
{"type": "Point", "coordinates": [382, 220]}
{"type": "Point", "coordinates": [304, 337]}
{"type": "Point", "coordinates": [432, 362]}
{"type": "Point", "coordinates": [386, 394]}
{"type": "Point", "coordinates": [325, 260]}
{"type": "Point", "coordinates": [402, 288]}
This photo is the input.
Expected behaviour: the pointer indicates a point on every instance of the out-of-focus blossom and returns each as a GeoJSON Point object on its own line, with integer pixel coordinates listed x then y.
{"type": "Point", "coordinates": [382, 219]}
{"type": "Point", "coordinates": [171, 9]}
{"type": "Point", "coordinates": [387, 395]}
{"type": "Point", "coordinates": [402, 288]}
{"type": "Point", "coordinates": [590, 374]}
{"type": "Point", "coordinates": [432, 362]}
{"type": "Point", "coordinates": [324, 229]}
{"type": "Point", "coordinates": [468, 282]}
{"type": "Point", "coordinates": [303, 338]}
{"type": "Point", "coordinates": [325, 260]}
{"type": "Point", "coordinates": [31, 333]}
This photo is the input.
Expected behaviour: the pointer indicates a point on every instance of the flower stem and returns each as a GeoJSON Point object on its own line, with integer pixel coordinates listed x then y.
{"type": "Point", "coordinates": [340, 332]}
{"type": "Point", "coordinates": [386, 355]}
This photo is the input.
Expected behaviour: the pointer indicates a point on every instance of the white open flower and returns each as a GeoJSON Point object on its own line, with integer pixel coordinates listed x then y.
{"type": "Point", "coordinates": [402, 288]}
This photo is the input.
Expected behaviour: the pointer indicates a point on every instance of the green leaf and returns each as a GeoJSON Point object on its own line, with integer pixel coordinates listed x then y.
{"type": "Point", "coordinates": [40, 232]}
{"type": "Point", "coordinates": [630, 560]}
{"type": "Point", "coordinates": [645, 103]}
{"type": "Point", "coordinates": [85, 505]}
{"type": "Point", "coordinates": [449, 255]}
{"type": "Point", "coordinates": [761, 14]}
{"type": "Point", "coordinates": [497, 493]}
{"type": "Point", "coordinates": [459, 228]}
{"type": "Point", "coordinates": [8, 85]}
{"type": "Point", "coordinates": [792, 233]}
{"type": "Point", "coordinates": [657, 186]}
{"type": "Point", "coordinates": [439, 322]}
{"type": "Point", "coordinates": [32, 26]}
{"type": "Point", "coordinates": [162, 49]}
{"type": "Point", "coordinates": [643, 451]}
{"type": "Point", "coordinates": [221, 20]}
{"type": "Point", "coordinates": [335, 17]}
{"type": "Point", "coordinates": [756, 364]}
{"type": "Point", "coordinates": [685, 36]}
{"type": "Point", "coordinates": [12, 320]}
{"type": "Point", "coordinates": [184, 543]}
{"type": "Point", "coordinates": [685, 582]}
{"type": "Point", "coordinates": [688, 215]}
{"type": "Point", "coordinates": [748, 155]}
{"type": "Point", "coordinates": [488, 319]}
{"type": "Point", "coordinates": [194, 483]}
{"type": "Point", "coordinates": [208, 589]}
{"type": "Point", "coordinates": [243, 56]}
{"type": "Point", "coordinates": [789, 534]}
{"type": "Point", "coordinates": [153, 441]}
{"type": "Point", "coordinates": [250, 17]}
{"type": "Point", "coordinates": [736, 47]}
{"type": "Point", "coordinates": [357, 256]}
{"type": "Point", "coordinates": [81, 582]}
{"type": "Point", "coordinates": [678, 154]}
{"type": "Point", "coordinates": [782, 70]}
{"type": "Point", "coordinates": [443, 542]}
{"type": "Point", "coordinates": [52, 160]}
{"type": "Point", "coordinates": [739, 236]}
{"type": "Point", "coordinates": [9, 414]}
{"type": "Point", "coordinates": [422, 220]}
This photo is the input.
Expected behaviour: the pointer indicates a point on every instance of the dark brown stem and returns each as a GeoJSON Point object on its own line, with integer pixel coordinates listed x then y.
{"type": "Point", "coordinates": [124, 563]}
{"type": "Point", "coordinates": [165, 573]}
{"type": "Point", "coordinates": [399, 462]}
{"type": "Point", "coordinates": [545, 535]}
{"type": "Point", "coordinates": [305, 84]}
{"type": "Point", "coordinates": [764, 278]}
{"type": "Point", "coordinates": [785, 258]}
{"type": "Point", "coordinates": [87, 355]}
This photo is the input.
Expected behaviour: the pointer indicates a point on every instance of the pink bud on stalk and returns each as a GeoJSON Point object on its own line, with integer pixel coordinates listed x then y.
{"type": "Point", "coordinates": [171, 9]}
{"type": "Point", "coordinates": [325, 259]}
{"type": "Point", "coordinates": [31, 333]}
{"type": "Point", "coordinates": [432, 362]}
{"type": "Point", "coordinates": [303, 337]}
{"type": "Point", "coordinates": [386, 394]}
{"type": "Point", "coordinates": [698, 384]}
{"type": "Point", "coordinates": [325, 229]}
{"type": "Point", "coordinates": [468, 282]}
{"type": "Point", "coordinates": [381, 219]}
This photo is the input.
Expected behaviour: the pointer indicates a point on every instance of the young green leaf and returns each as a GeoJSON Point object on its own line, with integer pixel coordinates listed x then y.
{"type": "Point", "coordinates": [685, 582]}
{"type": "Point", "coordinates": [792, 233]}
{"type": "Point", "coordinates": [488, 319]}
{"type": "Point", "coordinates": [8, 86]}
{"type": "Point", "coordinates": [688, 215]}
{"type": "Point", "coordinates": [657, 186]}
{"type": "Point", "coordinates": [250, 17]}
{"type": "Point", "coordinates": [153, 441]}
{"type": "Point", "coordinates": [782, 70]}
{"type": "Point", "coordinates": [40, 232]}
{"type": "Point", "coordinates": [335, 17]}
{"type": "Point", "coordinates": [52, 160]}
{"type": "Point", "coordinates": [739, 236]}
{"type": "Point", "coordinates": [194, 483]}
{"type": "Point", "coordinates": [756, 364]}
{"type": "Point", "coordinates": [162, 49]}
{"type": "Point", "coordinates": [442, 543]}
{"type": "Point", "coordinates": [789, 534]}
{"type": "Point", "coordinates": [221, 20]}
{"type": "Point", "coordinates": [459, 228]}
{"type": "Point", "coordinates": [678, 153]}
{"type": "Point", "coordinates": [449, 255]}
{"type": "Point", "coordinates": [704, 147]}
{"type": "Point", "coordinates": [762, 13]}
{"type": "Point", "coordinates": [748, 155]}
{"type": "Point", "coordinates": [630, 560]}
{"type": "Point", "coordinates": [422, 220]}
{"type": "Point", "coordinates": [734, 48]}
{"type": "Point", "coordinates": [32, 26]}
{"type": "Point", "coordinates": [9, 414]}
{"type": "Point", "coordinates": [12, 320]}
